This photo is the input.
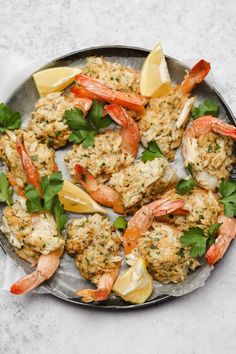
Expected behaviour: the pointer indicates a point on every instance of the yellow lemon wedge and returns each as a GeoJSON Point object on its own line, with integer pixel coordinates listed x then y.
{"type": "Point", "coordinates": [155, 79]}
{"type": "Point", "coordinates": [136, 284]}
{"type": "Point", "coordinates": [76, 200]}
{"type": "Point", "coordinates": [54, 79]}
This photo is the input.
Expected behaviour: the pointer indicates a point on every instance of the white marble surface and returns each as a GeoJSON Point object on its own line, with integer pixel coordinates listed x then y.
{"type": "Point", "coordinates": [204, 321]}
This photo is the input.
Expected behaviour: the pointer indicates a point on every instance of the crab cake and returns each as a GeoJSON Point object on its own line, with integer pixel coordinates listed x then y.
{"type": "Point", "coordinates": [95, 244]}
{"type": "Point", "coordinates": [203, 208]}
{"type": "Point", "coordinates": [118, 77]}
{"type": "Point", "coordinates": [164, 121]}
{"type": "Point", "coordinates": [42, 156]}
{"type": "Point", "coordinates": [30, 234]}
{"type": "Point", "coordinates": [47, 121]}
{"type": "Point", "coordinates": [141, 183]}
{"type": "Point", "coordinates": [211, 158]}
{"type": "Point", "coordinates": [102, 159]}
{"type": "Point", "coordinates": [167, 260]}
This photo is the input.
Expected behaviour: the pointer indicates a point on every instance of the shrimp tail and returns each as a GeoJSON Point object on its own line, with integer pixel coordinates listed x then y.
{"type": "Point", "coordinates": [195, 76]}
{"type": "Point", "coordinates": [31, 172]}
{"type": "Point", "coordinates": [130, 131]}
{"type": "Point", "coordinates": [103, 92]}
{"type": "Point", "coordinates": [46, 267]}
{"type": "Point", "coordinates": [103, 290]}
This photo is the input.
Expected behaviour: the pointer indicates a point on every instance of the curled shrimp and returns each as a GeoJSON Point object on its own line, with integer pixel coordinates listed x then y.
{"type": "Point", "coordinates": [31, 172]}
{"type": "Point", "coordinates": [101, 193]}
{"type": "Point", "coordinates": [196, 75]}
{"type": "Point", "coordinates": [207, 124]}
{"type": "Point", "coordinates": [143, 219]}
{"type": "Point", "coordinates": [95, 89]}
{"type": "Point", "coordinates": [129, 132]}
{"type": "Point", "coordinates": [83, 103]}
{"type": "Point", "coordinates": [226, 234]}
{"type": "Point", "coordinates": [103, 290]}
{"type": "Point", "coordinates": [46, 267]}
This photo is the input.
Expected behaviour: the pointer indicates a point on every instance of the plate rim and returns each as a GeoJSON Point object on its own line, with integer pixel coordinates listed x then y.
{"type": "Point", "coordinates": [143, 51]}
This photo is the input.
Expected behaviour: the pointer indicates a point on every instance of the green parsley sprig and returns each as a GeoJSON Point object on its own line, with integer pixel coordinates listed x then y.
{"type": "Point", "coordinates": [9, 119]}
{"type": "Point", "coordinates": [207, 107]}
{"type": "Point", "coordinates": [151, 152]}
{"type": "Point", "coordinates": [49, 202]}
{"type": "Point", "coordinates": [185, 186]}
{"type": "Point", "coordinates": [85, 129]}
{"type": "Point", "coordinates": [198, 241]}
{"type": "Point", "coordinates": [5, 192]}
{"type": "Point", "coordinates": [227, 190]}
{"type": "Point", "coordinates": [120, 223]}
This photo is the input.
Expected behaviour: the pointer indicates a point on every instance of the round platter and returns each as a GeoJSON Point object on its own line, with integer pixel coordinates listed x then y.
{"type": "Point", "coordinates": [23, 99]}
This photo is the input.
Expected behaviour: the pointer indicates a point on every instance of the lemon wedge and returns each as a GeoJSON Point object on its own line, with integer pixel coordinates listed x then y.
{"type": "Point", "coordinates": [155, 79]}
{"type": "Point", "coordinates": [136, 284]}
{"type": "Point", "coordinates": [54, 79]}
{"type": "Point", "coordinates": [76, 200]}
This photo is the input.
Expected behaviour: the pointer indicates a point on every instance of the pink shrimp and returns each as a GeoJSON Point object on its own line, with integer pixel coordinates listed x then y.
{"type": "Point", "coordinates": [103, 290]}
{"type": "Point", "coordinates": [195, 76]}
{"type": "Point", "coordinates": [143, 219]}
{"type": "Point", "coordinates": [129, 132]}
{"type": "Point", "coordinates": [83, 103]}
{"type": "Point", "coordinates": [95, 89]}
{"type": "Point", "coordinates": [226, 234]}
{"type": "Point", "coordinates": [46, 267]}
{"type": "Point", "coordinates": [207, 124]}
{"type": "Point", "coordinates": [101, 193]}
{"type": "Point", "coordinates": [31, 172]}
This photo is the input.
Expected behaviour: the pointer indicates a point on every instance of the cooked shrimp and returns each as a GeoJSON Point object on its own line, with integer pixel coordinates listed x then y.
{"type": "Point", "coordinates": [207, 147]}
{"type": "Point", "coordinates": [46, 267]}
{"type": "Point", "coordinates": [144, 217]}
{"type": "Point", "coordinates": [93, 88]}
{"type": "Point", "coordinates": [103, 290]}
{"type": "Point", "coordinates": [165, 118]}
{"type": "Point", "coordinates": [100, 192]}
{"type": "Point", "coordinates": [95, 244]}
{"type": "Point", "coordinates": [226, 234]}
{"type": "Point", "coordinates": [129, 132]}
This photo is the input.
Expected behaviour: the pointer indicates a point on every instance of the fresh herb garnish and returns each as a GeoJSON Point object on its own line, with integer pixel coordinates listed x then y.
{"type": "Point", "coordinates": [198, 241]}
{"type": "Point", "coordinates": [151, 152]}
{"type": "Point", "coordinates": [5, 192]}
{"type": "Point", "coordinates": [9, 119]}
{"type": "Point", "coordinates": [185, 186]}
{"type": "Point", "coordinates": [50, 202]}
{"type": "Point", "coordinates": [207, 107]}
{"type": "Point", "coordinates": [120, 223]}
{"type": "Point", "coordinates": [189, 168]}
{"type": "Point", "coordinates": [227, 190]}
{"type": "Point", "coordinates": [85, 129]}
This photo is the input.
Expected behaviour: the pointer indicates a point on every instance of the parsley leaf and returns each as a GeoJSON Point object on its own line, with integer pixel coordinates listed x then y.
{"type": "Point", "coordinates": [9, 119]}
{"type": "Point", "coordinates": [120, 223]}
{"type": "Point", "coordinates": [151, 152]}
{"type": "Point", "coordinates": [185, 186]}
{"type": "Point", "coordinates": [227, 190]}
{"type": "Point", "coordinates": [5, 192]}
{"type": "Point", "coordinates": [207, 107]}
{"type": "Point", "coordinates": [85, 129]}
{"type": "Point", "coordinates": [50, 186]}
{"type": "Point", "coordinates": [189, 168]}
{"type": "Point", "coordinates": [198, 240]}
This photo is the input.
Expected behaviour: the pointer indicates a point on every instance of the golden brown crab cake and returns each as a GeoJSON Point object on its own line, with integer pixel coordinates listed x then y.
{"type": "Point", "coordinates": [103, 158]}
{"type": "Point", "coordinates": [164, 121]}
{"type": "Point", "coordinates": [30, 234]}
{"type": "Point", "coordinates": [167, 260]}
{"type": "Point", "coordinates": [95, 244]}
{"type": "Point", "coordinates": [210, 157]}
{"type": "Point", "coordinates": [47, 121]}
{"type": "Point", "coordinates": [42, 156]}
{"type": "Point", "coordinates": [115, 75]}
{"type": "Point", "coordinates": [203, 210]}
{"type": "Point", "coordinates": [141, 183]}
